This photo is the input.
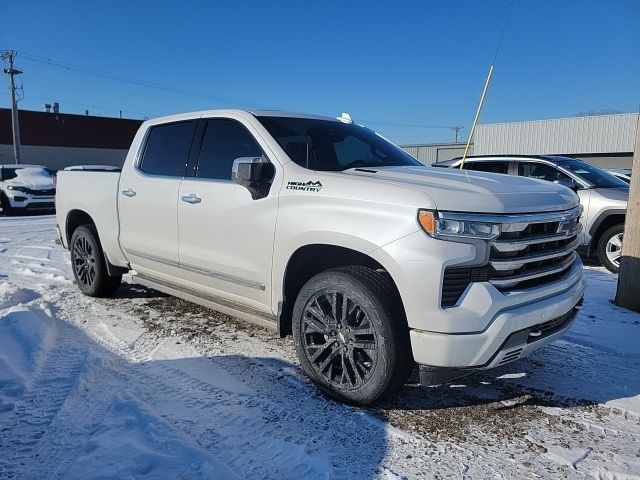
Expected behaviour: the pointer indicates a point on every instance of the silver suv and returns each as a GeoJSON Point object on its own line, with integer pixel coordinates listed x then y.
{"type": "Point", "coordinates": [603, 196]}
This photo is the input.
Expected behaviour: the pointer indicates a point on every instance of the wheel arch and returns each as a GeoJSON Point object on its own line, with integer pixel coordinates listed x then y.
{"type": "Point", "coordinates": [76, 218]}
{"type": "Point", "coordinates": [604, 221]}
{"type": "Point", "coordinates": [309, 260]}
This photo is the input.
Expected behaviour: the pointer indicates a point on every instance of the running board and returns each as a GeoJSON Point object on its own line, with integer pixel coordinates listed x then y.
{"type": "Point", "coordinates": [210, 301]}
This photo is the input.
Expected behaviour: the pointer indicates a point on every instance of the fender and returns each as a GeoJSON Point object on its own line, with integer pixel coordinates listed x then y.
{"type": "Point", "coordinates": [603, 216]}
{"type": "Point", "coordinates": [281, 258]}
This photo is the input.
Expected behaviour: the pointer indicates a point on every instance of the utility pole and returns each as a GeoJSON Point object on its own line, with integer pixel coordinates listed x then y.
{"type": "Point", "coordinates": [628, 294]}
{"type": "Point", "coordinates": [457, 130]}
{"type": "Point", "coordinates": [9, 55]}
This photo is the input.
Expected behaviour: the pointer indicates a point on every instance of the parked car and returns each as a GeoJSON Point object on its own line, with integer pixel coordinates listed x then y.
{"type": "Point", "coordinates": [26, 188]}
{"type": "Point", "coordinates": [603, 196]}
{"type": "Point", "coordinates": [323, 229]}
{"type": "Point", "coordinates": [623, 174]}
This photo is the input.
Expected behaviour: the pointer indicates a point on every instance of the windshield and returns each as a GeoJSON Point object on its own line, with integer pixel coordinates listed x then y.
{"type": "Point", "coordinates": [326, 145]}
{"type": "Point", "coordinates": [594, 175]}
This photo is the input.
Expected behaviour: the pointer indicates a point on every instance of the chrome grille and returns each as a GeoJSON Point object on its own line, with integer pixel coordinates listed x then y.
{"type": "Point", "coordinates": [534, 249]}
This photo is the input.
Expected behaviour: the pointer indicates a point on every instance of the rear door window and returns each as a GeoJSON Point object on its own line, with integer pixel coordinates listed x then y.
{"type": "Point", "coordinates": [167, 150]}
{"type": "Point", "coordinates": [541, 171]}
{"type": "Point", "coordinates": [224, 141]}
{"type": "Point", "coordinates": [491, 167]}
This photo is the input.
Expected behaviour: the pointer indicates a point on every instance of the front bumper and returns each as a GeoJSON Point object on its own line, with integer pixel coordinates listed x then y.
{"type": "Point", "coordinates": [30, 202]}
{"type": "Point", "coordinates": [512, 334]}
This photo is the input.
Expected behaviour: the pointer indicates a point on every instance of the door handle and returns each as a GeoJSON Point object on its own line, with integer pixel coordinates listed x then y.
{"type": "Point", "coordinates": [128, 192]}
{"type": "Point", "coordinates": [191, 198]}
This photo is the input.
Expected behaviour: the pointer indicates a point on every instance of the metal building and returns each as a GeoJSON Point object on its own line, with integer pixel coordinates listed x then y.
{"type": "Point", "coordinates": [429, 153]}
{"type": "Point", "coordinates": [604, 140]}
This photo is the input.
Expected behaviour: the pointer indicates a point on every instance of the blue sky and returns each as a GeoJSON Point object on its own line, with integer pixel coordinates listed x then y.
{"type": "Point", "coordinates": [389, 64]}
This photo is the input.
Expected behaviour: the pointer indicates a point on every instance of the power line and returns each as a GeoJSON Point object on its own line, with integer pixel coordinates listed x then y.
{"type": "Point", "coordinates": [131, 80]}
{"type": "Point", "coordinates": [406, 125]}
{"type": "Point", "coordinates": [79, 104]}
{"type": "Point", "coordinates": [504, 27]}
{"type": "Point", "coordinates": [9, 56]}
{"type": "Point", "coordinates": [457, 129]}
{"type": "Point", "coordinates": [177, 90]}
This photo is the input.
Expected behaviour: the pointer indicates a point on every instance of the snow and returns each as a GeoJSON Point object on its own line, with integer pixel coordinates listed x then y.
{"type": "Point", "coordinates": [147, 386]}
{"type": "Point", "coordinates": [32, 177]}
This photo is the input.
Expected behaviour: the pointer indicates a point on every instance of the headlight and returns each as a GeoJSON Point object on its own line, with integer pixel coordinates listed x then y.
{"type": "Point", "coordinates": [456, 225]}
{"type": "Point", "coordinates": [17, 189]}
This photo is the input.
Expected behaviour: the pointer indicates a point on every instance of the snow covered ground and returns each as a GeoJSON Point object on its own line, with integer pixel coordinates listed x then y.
{"type": "Point", "coordinates": [147, 386]}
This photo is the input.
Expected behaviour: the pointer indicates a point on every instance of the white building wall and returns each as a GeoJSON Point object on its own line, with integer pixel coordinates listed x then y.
{"type": "Point", "coordinates": [601, 134]}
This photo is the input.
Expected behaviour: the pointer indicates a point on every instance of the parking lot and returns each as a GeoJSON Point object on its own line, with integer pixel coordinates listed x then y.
{"type": "Point", "coordinates": [147, 385]}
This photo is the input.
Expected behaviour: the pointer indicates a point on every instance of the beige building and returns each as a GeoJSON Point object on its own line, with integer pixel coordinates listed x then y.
{"type": "Point", "coordinates": [603, 140]}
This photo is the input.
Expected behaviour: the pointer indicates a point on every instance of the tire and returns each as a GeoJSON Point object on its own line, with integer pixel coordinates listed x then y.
{"type": "Point", "coordinates": [357, 357]}
{"type": "Point", "coordinates": [7, 209]}
{"type": "Point", "coordinates": [610, 248]}
{"type": "Point", "coordinates": [88, 264]}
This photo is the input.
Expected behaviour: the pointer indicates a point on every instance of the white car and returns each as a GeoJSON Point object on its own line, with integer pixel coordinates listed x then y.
{"type": "Point", "coordinates": [321, 228]}
{"type": "Point", "coordinates": [26, 188]}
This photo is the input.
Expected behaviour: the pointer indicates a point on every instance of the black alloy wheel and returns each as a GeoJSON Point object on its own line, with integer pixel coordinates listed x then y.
{"type": "Point", "coordinates": [339, 339]}
{"type": "Point", "coordinates": [89, 265]}
{"type": "Point", "coordinates": [84, 261]}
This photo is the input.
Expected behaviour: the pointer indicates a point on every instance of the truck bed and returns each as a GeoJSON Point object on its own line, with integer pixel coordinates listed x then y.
{"type": "Point", "coordinates": [96, 193]}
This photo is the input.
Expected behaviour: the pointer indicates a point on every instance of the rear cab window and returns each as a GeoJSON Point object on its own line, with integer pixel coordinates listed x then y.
{"type": "Point", "coordinates": [166, 151]}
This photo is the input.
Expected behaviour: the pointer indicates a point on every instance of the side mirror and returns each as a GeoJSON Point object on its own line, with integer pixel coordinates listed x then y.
{"type": "Point", "coordinates": [254, 174]}
{"type": "Point", "coordinates": [568, 183]}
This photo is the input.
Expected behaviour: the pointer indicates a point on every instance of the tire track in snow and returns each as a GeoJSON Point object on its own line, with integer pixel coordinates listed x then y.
{"type": "Point", "coordinates": [284, 434]}
{"type": "Point", "coordinates": [37, 408]}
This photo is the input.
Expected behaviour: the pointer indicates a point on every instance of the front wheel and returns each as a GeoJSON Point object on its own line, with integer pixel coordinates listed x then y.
{"type": "Point", "coordinates": [89, 266]}
{"type": "Point", "coordinates": [7, 209]}
{"type": "Point", "coordinates": [610, 248]}
{"type": "Point", "coordinates": [351, 335]}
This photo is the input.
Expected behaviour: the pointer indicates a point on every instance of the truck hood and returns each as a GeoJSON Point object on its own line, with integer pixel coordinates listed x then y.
{"type": "Point", "coordinates": [468, 191]}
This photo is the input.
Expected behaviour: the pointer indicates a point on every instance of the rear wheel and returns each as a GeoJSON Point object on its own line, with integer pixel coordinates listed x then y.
{"type": "Point", "coordinates": [7, 209]}
{"type": "Point", "coordinates": [610, 248]}
{"type": "Point", "coordinates": [351, 335]}
{"type": "Point", "coordinates": [89, 267]}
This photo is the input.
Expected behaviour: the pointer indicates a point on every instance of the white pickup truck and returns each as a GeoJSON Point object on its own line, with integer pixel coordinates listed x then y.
{"type": "Point", "coordinates": [323, 229]}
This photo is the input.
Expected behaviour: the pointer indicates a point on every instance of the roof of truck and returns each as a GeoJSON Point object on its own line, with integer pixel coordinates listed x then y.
{"type": "Point", "coordinates": [225, 111]}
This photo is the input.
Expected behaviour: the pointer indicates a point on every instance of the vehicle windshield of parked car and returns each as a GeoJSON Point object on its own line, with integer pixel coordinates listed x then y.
{"type": "Point", "coordinates": [326, 145]}
{"type": "Point", "coordinates": [594, 175]}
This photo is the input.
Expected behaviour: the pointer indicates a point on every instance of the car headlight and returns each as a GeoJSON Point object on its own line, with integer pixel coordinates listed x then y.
{"type": "Point", "coordinates": [17, 189]}
{"type": "Point", "coordinates": [456, 225]}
